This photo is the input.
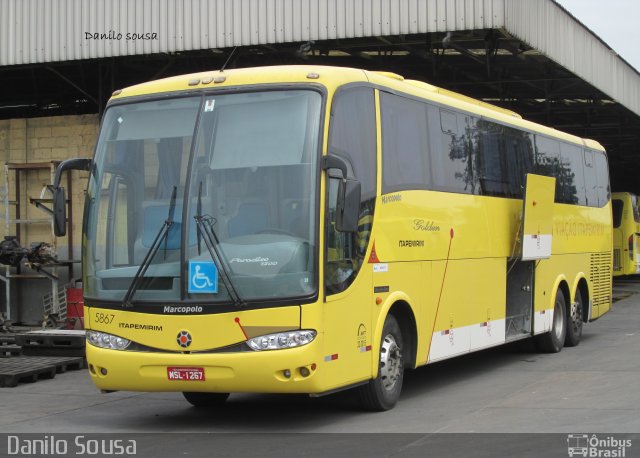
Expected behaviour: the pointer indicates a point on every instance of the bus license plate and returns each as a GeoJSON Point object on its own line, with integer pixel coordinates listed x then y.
{"type": "Point", "coordinates": [186, 374]}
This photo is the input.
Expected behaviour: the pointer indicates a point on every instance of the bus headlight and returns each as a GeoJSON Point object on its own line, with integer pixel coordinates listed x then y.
{"type": "Point", "coordinates": [104, 340]}
{"type": "Point", "coordinates": [282, 340]}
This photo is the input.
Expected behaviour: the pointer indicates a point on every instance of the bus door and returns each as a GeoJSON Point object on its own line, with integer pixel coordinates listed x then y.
{"type": "Point", "coordinates": [535, 238]}
{"type": "Point", "coordinates": [634, 235]}
{"type": "Point", "coordinates": [618, 235]}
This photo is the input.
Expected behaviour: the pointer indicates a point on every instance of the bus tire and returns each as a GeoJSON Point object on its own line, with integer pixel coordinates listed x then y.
{"type": "Point", "coordinates": [553, 341]}
{"type": "Point", "coordinates": [382, 393]}
{"type": "Point", "coordinates": [574, 322]}
{"type": "Point", "coordinates": [205, 400]}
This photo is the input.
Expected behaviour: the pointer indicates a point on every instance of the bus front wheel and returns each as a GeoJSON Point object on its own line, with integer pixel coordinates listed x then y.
{"type": "Point", "coordinates": [205, 400]}
{"type": "Point", "coordinates": [553, 341]}
{"type": "Point", "coordinates": [383, 392]}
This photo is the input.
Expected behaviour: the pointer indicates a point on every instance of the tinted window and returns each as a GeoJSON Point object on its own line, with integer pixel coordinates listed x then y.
{"type": "Point", "coordinates": [572, 189]}
{"type": "Point", "coordinates": [353, 135]}
{"type": "Point", "coordinates": [552, 163]}
{"type": "Point", "coordinates": [404, 144]}
{"type": "Point", "coordinates": [491, 168]}
{"type": "Point", "coordinates": [602, 178]}
{"type": "Point", "coordinates": [451, 148]}
{"type": "Point", "coordinates": [547, 156]}
{"type": "Point", "coordinates": [590, 180]}
{"type": "Point", "coordinates": [518, 151]}
{"type": "Point", "coordinates": [634, 207]}
{"type": "Point", "coordinates": [617, 208]}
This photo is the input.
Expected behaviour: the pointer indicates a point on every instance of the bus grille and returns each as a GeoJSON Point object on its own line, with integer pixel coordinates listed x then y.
{"type": "Point", "coordinates": [616, 260]}
{"type": "Point", "coordinates": [601, 278]}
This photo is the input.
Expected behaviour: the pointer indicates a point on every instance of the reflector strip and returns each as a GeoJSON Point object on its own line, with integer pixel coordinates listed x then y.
{"type": "Point", "coordinates": [365, 349]}
{"type": "Point", "coordinates": [331, 357]}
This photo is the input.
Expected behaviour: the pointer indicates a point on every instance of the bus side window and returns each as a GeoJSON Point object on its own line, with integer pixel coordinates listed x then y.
{"type": "Point", "coordinates": [353, 137]}
{"type": "Point", "coordinates": [518, 151]}
{"type": "Point", "coordinates": [617, 208]}
{"type": "Point", "coordinates": [548, 164]}
{"type": "Point", "coordinates": [491, 171]}
{"type": "Point", "coordinates": [634, 207]}
{"type": "Point", "coordinates": [405, 160]}
{"type": "Point", "coordinates": [451, 152]}
{"type": "Point", "coordinates": [602, 177]}
{"type": "Point", "coordinates": [573, 189]}
{"type": "Point", "coordinates": [591, 185]}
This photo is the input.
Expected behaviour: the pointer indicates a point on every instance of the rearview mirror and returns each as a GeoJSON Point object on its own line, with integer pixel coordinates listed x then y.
{"type": "Point", "coordinates": [59, 199]}
{"type": "Point", "coordinates": [59, 212]}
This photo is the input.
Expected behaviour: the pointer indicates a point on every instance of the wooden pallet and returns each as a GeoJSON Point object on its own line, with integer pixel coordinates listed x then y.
{"type": "Point", "coordinates": [28, 369]}
{"type": "Point", "coordinates": [7, 339]}
{"type": "Point", "coordinates": [52, 343]}
{"type": "Point", "coordinates": [7, 351]}
{"type": "Point", "coordinates": [37, 350]}
{"type": "Point", "coordinates": [52, 339]}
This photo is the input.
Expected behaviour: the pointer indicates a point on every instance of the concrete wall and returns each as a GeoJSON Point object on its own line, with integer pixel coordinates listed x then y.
{"type": "Point", "coordinates": [41, 140]}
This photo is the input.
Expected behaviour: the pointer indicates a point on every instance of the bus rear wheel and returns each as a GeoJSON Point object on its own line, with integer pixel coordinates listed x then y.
{"type": "Point", "coordinates": [382, 393]}
{"type": "Point", "coordinates": [553, 341]}
{"type": "Point", "coordinates": [574, 322]}
{"type": "Point", "coordinates": [206, 400]}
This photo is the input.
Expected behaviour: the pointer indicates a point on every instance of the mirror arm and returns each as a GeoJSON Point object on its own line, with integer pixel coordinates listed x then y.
{"type": "Point", "coordinates": [331, 161]}
{"type": "Point", "coordinates": [71, 164]}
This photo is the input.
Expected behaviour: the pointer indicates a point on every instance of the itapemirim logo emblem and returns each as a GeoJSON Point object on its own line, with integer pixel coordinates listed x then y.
{"type": "Point", "coordinates": [184, 339]}
{"type": "Point", "coordinates": [592, 446]}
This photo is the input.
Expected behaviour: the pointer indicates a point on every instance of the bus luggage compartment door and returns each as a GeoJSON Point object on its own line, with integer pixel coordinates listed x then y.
{"type": "Point", "coordinates": [519, 299]}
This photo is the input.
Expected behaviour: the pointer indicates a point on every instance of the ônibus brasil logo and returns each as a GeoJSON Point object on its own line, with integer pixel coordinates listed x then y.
{"type": "Point", "coordinates": [592, 446]}
{"type": "Point", "coordinates": [184, 339]}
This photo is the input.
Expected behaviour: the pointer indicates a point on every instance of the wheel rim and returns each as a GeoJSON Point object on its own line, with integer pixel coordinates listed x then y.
{"type": "Point", "coordinates": [390, 362]}
{"type": "Point", "coordinates": [558, 320]}
{"type": "Point", "coordinates": [576, 316]}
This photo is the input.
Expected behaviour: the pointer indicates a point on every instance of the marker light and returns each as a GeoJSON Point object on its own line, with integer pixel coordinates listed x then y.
{"type": "Point", "coordinates": [104, 340]}
{"type": "Point", "coordinates": [282, 340]}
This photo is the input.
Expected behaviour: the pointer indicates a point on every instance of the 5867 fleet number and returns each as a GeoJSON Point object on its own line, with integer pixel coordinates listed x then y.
{"type": "Point", "coordinates": [104, 318]}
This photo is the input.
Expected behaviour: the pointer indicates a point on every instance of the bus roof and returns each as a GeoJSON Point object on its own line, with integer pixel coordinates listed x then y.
{"type": "Point", "coordinates": [332, 78]}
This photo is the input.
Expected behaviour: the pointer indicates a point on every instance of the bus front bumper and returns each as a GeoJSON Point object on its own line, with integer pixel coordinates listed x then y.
{"type": "Point", "coordinates": [293, 370]}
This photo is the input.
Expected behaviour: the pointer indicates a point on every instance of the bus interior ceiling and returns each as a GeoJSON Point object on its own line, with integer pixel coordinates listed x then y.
{"type": "Point", "coordinates": [489, 65]}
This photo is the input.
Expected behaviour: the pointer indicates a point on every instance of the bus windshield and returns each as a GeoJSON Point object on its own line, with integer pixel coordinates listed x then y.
{"type": "Point", "coordinates": [208, 198]}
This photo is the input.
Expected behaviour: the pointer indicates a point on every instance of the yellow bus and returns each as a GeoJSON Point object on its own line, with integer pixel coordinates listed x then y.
{"type": "Point", "coordinates": [308, 229]}
{"type": "Point", "coordinates": [626, 230]}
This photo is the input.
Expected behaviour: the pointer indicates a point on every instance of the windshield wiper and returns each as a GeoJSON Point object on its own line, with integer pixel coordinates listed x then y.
{"type": "Point", "coordinates": [205, 224]}
{"type": "Point", "coordinates": [153, 249]}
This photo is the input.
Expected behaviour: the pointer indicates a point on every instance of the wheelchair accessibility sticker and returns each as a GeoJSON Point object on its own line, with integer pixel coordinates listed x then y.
{"type": "Point", "coordinates": [203, 277]}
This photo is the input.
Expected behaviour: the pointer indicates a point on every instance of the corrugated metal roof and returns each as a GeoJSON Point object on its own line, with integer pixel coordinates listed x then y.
{"type": "Point", "coordinates": [35, 31]}
{"type": "Point", "coordinates": [546, 26]}
{"type": "Point", "coordinates": [55, 30]}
